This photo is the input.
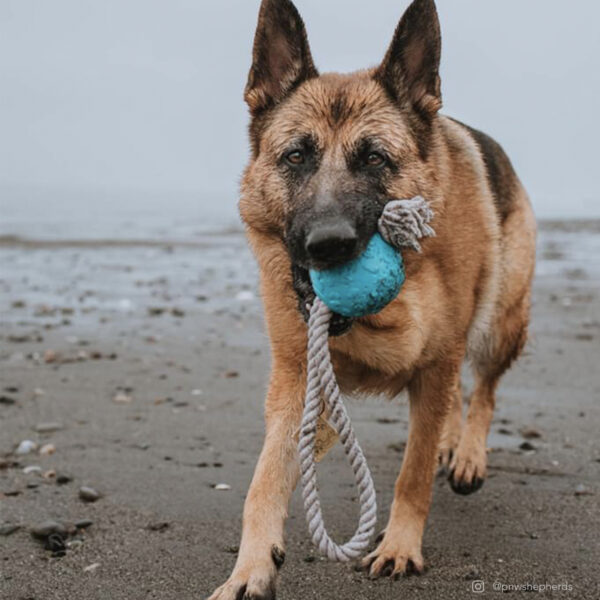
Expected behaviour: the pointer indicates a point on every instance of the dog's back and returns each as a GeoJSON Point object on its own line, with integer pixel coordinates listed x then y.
{"type": "Point", "coordinates": [501, 175]}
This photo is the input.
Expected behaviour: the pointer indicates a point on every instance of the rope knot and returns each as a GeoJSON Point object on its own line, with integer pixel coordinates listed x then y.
{"type": "Point", "coordinates": [404, 222]}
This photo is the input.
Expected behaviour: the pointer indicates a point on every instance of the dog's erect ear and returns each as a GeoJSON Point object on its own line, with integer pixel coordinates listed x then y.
{"type": "Point", "coordinates": [410, 69]}
{"type": "Point", "coordinates": [281, 59]}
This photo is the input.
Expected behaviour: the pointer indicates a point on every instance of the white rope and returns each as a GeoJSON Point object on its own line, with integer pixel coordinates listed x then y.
{"type": "Point", "coordinates": [403, 222]}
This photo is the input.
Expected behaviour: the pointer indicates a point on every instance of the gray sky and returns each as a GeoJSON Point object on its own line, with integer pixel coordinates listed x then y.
{"type": "Point", "coordinates": [146, 94]}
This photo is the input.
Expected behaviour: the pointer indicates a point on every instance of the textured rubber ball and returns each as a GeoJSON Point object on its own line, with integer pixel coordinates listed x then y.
{"type": "Point", "coordinates": [365, 285]}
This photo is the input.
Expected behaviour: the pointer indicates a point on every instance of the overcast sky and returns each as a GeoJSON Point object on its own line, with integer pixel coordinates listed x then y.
{"type": "Point", "coordinates": [146, 94]}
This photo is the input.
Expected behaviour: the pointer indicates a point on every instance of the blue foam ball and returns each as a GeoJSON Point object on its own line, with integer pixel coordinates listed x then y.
{"type": "Point", "coordinates": [365, 285]}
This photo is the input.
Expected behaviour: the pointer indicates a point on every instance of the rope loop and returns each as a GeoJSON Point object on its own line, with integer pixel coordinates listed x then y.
{"type": "Point", "coordinates": [402, 224]}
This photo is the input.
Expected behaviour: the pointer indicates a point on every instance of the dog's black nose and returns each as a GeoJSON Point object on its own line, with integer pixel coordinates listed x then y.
{"type": "Point", "coordinates": [331, 243]}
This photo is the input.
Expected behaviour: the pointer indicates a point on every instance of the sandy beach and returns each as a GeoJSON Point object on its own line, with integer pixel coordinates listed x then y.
{"type": "Point", "coordinates": [138, 367]}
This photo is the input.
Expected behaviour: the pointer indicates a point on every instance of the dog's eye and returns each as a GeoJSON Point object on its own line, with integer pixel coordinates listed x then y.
{"type": "Point", "coordinates": [296, 157]}
{"type": "Point", "coordinates": [374, 159]}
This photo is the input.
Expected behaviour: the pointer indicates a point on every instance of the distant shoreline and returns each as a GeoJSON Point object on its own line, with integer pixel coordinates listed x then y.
{"type": "Point", "coordinates": [207, 239]}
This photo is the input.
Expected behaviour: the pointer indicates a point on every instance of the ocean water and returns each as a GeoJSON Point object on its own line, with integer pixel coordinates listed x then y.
{"type": "Point", "coordinates": [49, 214]}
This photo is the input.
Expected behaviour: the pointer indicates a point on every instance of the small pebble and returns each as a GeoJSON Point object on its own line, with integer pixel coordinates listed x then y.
{"type": "Point", "coordinates": [159, 526]}
{"type": "Point", "coordinates": [25, 447]}
{"type": "Point", "coordinates": [122, 398]}
{"type": "Point", "coordinates": [47, 449]}
{"type": "Point", "coordinates": [50, 474]}
{"type": "Point", "coordinates": [530, 434]}
{"type": "Point", "coordinates": [32, 469]}
{"type": "Point", "coordinates": [88, 494]}
{"type": "Point", "coordinates": [9, 529]}
{"type": "Point", "coordinates": [84, 523]}
{"type": "Point", "coordinates": [221, 487]}
{"type": "Point", "coordinates": [91, 568]}
{"type": "Point", "coordinates": [50, 356]}
{"type": "Point", "coordinates": [48, 427]}
{"type": "Point", "coordinates": [63, 478]}
{"type": "Point", "coordinates": [582, 490]}
{"type": "Point", "coordinates": [46, 528]}
{"type": "Point", "coordinates": [527, 447]}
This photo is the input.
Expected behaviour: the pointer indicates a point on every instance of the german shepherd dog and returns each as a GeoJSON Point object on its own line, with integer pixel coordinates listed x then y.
{"type": "Point", "coordinates": [328, 152]}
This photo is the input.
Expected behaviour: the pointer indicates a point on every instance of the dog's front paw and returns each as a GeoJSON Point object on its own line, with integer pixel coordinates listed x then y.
{"type": "Point", "coordinates": [306, 296]}
{"type": "Point", "coordinates": [252, 580]}
{"type": "Point", "coordinates": [398, 554]}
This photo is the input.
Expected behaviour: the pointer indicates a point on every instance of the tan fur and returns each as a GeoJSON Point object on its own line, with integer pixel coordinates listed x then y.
{"type": "Point", "coordinates": [468, 292]}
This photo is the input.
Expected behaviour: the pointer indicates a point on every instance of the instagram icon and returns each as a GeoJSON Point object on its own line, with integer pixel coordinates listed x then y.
{"type": "Point", "coordinates": [478, 587]}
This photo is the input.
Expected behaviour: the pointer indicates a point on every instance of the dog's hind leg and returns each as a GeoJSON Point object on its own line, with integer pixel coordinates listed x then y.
{"type": "Point", "coordinates": [497, 341]}
{"type": "Point", "coordinates": [261, 551]}
{"type": "Point", "coordinates": [469, 463]}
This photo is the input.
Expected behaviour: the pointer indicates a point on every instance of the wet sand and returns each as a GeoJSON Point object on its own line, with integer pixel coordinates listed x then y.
{"type": "Point", "coordinates": [152, 361]}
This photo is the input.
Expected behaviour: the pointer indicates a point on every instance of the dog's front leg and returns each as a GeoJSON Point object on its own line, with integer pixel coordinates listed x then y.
{"type": "Point", "coordinates": [400, 549]}
{"type": "Point", "coordinates": [261, 551]}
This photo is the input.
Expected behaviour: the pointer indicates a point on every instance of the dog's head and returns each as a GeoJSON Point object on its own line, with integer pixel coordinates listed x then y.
{"type": "Point", "coordinates": [329, 151]}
